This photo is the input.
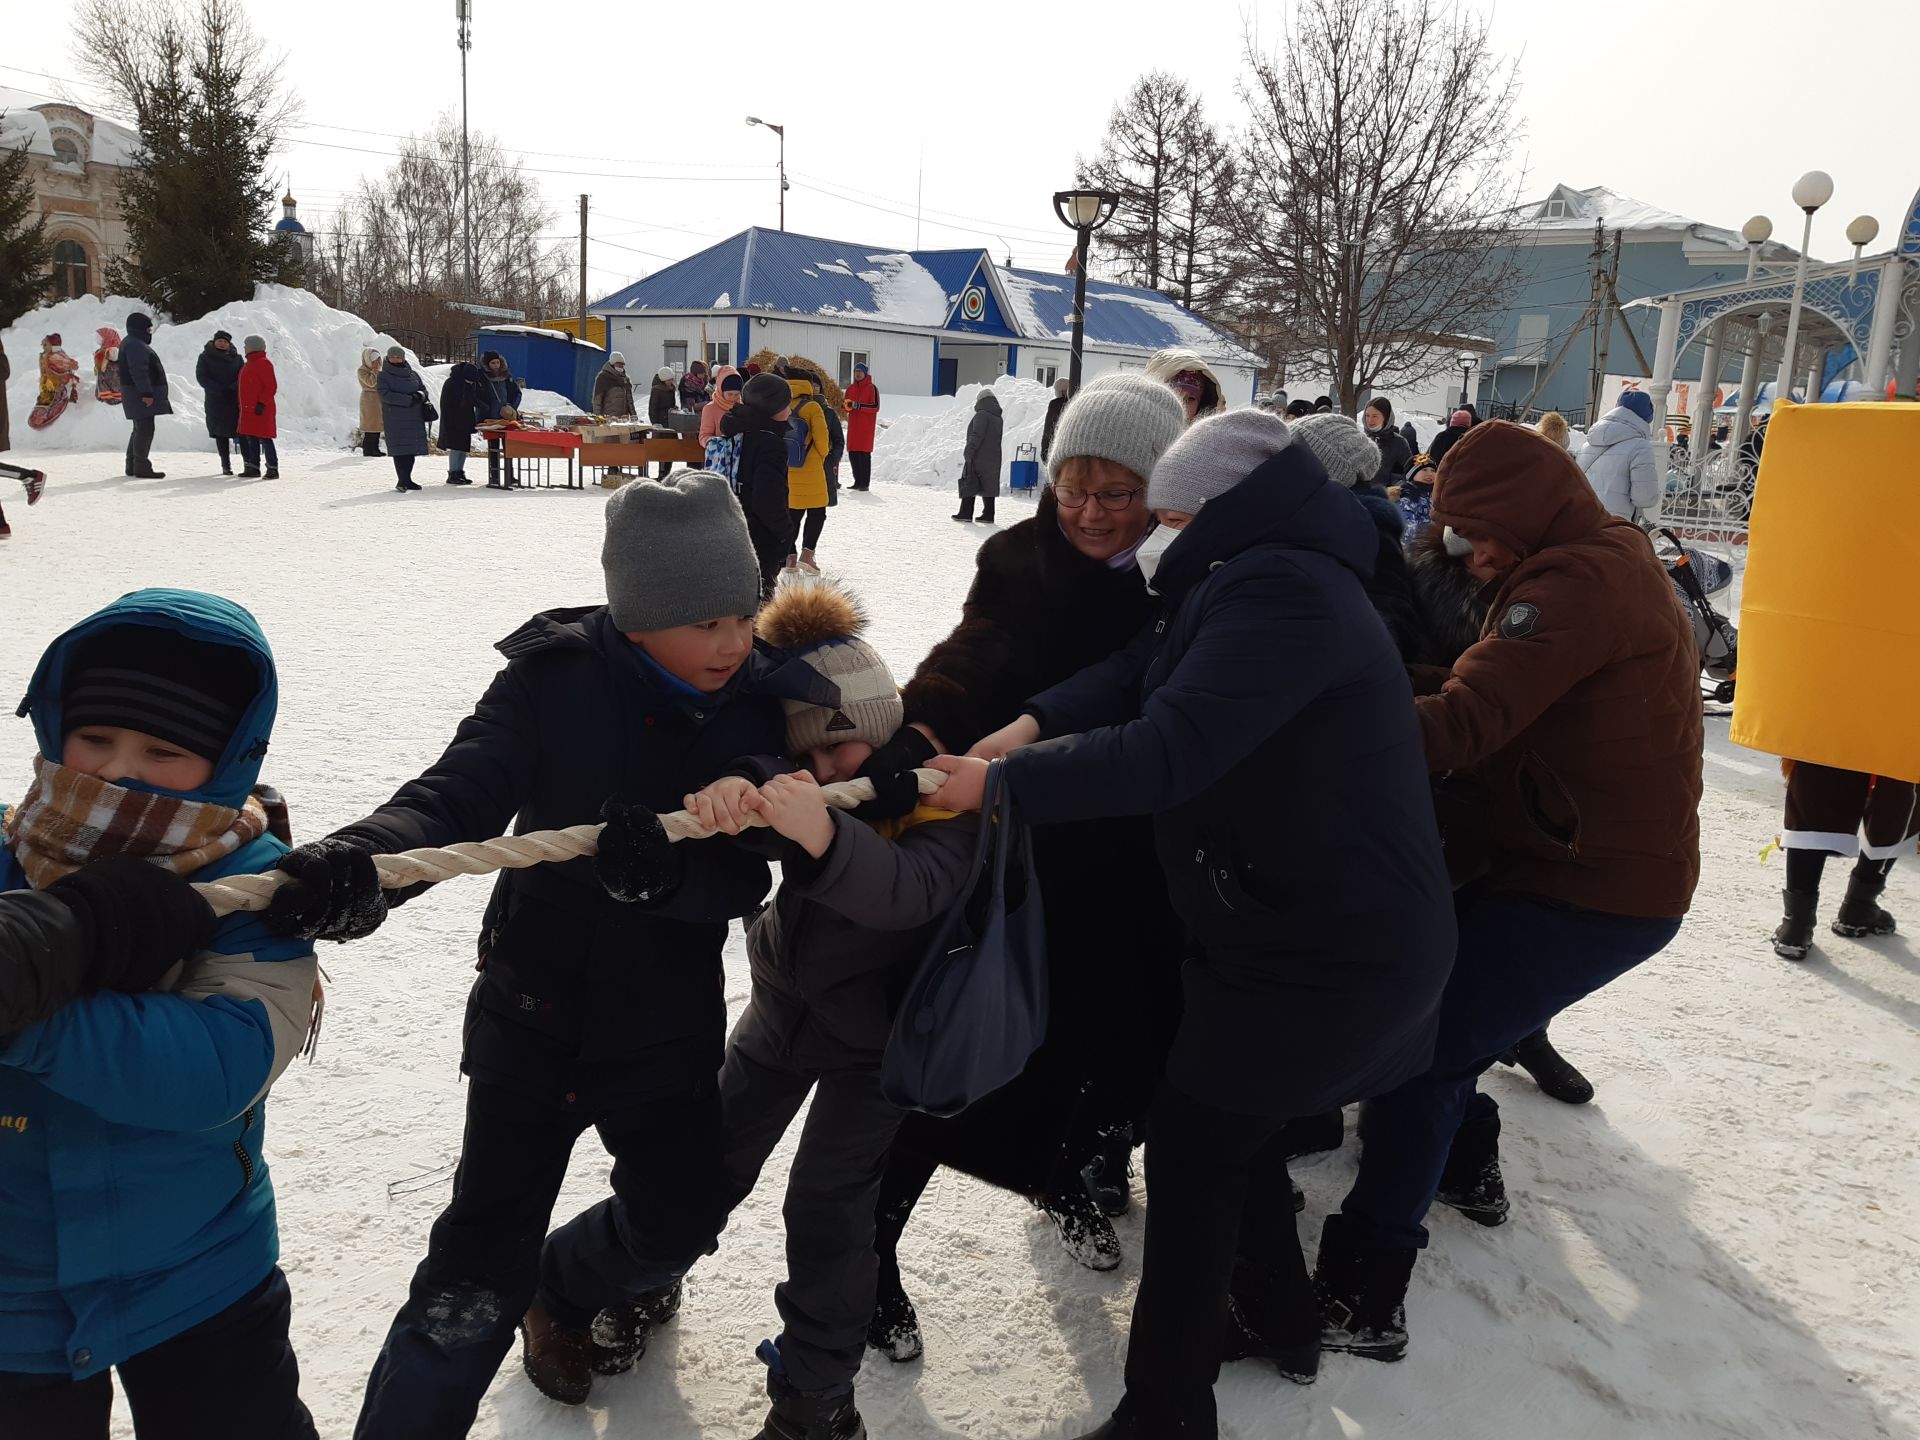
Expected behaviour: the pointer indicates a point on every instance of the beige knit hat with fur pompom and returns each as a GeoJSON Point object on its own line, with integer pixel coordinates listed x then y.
{"type": "Point", "coordinates": [819, 620]}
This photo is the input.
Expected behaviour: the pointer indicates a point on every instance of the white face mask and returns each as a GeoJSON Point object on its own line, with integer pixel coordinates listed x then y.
{"type": "Point", "coordinates": [1147, 557]}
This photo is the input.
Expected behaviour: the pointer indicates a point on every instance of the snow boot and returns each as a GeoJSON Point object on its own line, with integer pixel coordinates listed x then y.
{"type": "Point", "coordinates": [6, 530]}
{"type": "Point", "coordinates": [986, 512]}
{"type": "Point", "coordinates": [1471, 1182]}
{"type": "Point", "coordinates": [965, 512]}
{"type": "Point", "coordinates": [151, 474]}
{"type": "Point", "coordinates": [273, 472]}
{"type": "Point", "coordinates": [1794, 935]}
{"type": "Point", "coordinates": [1107, 1174]}
{"type": "Point", "coordinates": [620, 1332]}
{"type": "Point", "coordinates": [1362, 1294]}
{"type": "Point", "coordinates": [1312, 1134]}
{"type": "Point", "coordinates": [1297, 1360]}
{"type": "Point", "coordinates": [456, 477]}
{"type": "Point", "coordinates": [250, 472]}
{"type": "Point", "coordinates": [227, 470]}
{"type": "Point", "coordinates": [36, 483]}
{"type": "Point", "coordinates": [1086, 1234]}
{"type": "Point", "coordinates": [558, 1358]}
{"type": "Point", "coordinates": [1550, 1069]}
{"type": "Point", "coordinates": [1860, 913]}
{"type": "Point", "coordinates": [894, 1329]}
{"type": "Point", "coordinates": [406, 485]}
{"type": "Point", "coordinates": [806, 1414]}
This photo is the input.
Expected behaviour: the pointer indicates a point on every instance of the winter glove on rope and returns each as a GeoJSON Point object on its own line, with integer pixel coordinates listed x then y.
{"type": "Point", "coordinates": [332, 892]}
{"type": "Point", "coordinates": [907, 750]}
{"type": "Point", "coordinates": [635, 861]}
{"type": "Point", "coordinates": [144, 920]}
{"type": "Point", "coordinates": [893, 796]}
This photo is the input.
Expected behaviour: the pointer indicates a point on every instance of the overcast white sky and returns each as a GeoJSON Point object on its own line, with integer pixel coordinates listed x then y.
{"type": "Point", "coordinates": [1708, 112]}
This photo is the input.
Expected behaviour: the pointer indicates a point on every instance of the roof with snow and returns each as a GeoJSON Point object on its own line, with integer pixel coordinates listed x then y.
{"type": "Point", "coordinates": [779, 272]}
{"type": "Point", "coordinates": [34, 122]}
{"type": "Point", "coordinates": [1567, 212]}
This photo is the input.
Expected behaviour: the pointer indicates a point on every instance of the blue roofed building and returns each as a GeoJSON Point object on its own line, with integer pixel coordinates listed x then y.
{"type": "Point", "coordinates": [925, 322]}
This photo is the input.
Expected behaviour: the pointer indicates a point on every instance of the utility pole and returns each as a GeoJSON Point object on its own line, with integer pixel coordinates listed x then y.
{"type": "Point", "coordinates": [1603, 327]}
{"type": "Point", "coordinates": [463, 11]}
{"type": "Point", "coordinates": [581, 329]}
{"type": "Point", "coordinates": [1596, 287]}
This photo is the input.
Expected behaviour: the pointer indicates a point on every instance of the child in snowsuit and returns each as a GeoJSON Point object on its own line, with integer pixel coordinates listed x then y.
{"type": "Point", "coordinates": [599, 1002]}
{"type": "Point", "coordinates": [136, 1217]}
{"type": "Point", "coordinates": [861, 894]}
{"type": "Point", "coordinates": [760, 422]}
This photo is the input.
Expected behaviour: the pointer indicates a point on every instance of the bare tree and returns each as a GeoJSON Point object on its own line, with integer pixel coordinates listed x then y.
{"type": "Point", "coordinates": [1140, 160]}
{"type": "Point", "coordinates": [1205, 265]}
{"type": "Point", "coordinates": [1374, 195]}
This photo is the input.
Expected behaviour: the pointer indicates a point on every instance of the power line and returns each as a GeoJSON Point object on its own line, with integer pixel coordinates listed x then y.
{"type": "Point", "coordinates": [999, 226]}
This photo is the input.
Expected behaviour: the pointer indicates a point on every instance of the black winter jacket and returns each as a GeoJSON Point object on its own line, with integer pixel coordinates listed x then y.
{"type": "Point", "coordinates": [1395, 456]}
{"type": "Point", "coordinates": [45, 948]}
{"type": "Point", "coordinates": [464, 397]}
{"type": "Point", "coordinates": [218, 372]}
{"type": "Point", "coordinates": [760, 473]}
{"type": "Point", "coordinates": [582, 998]}
{"type": "Point", "coordinates": [1268, 727]}
{"type": "Point", "coordinates": [832, 956]}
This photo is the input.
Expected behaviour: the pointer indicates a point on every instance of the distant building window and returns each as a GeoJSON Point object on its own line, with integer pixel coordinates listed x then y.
{"type": "Point", "coordinates": [674, 356]}
{"type": "Point", "coordinates": [1531, 343]}
{"type": "Point", "coordinates": [66, 150]}
{"type": "Point", "coordinates": [1556, 210]}
{"type": "Point", "coordinates": [69, 269]}
{"type": "Point", "coordinates": [849, 359]}
{"type": "Point", "coordinates": [1046, 374]}
{"type": "Point", "coordinates": [719, 352]}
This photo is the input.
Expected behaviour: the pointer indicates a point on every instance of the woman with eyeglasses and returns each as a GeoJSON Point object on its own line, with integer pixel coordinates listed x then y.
{"type": "Point", "coordinates": [1192, 381]}
{"type": "Point", "coordinates": [1051, 595]}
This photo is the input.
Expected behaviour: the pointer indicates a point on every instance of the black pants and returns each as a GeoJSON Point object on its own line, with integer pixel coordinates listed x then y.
{"type": "Point", "coordinates": [807, 525]}
{"type": "Point", "coordinates": [1219, 1220]}
{"type": "Point", "coordinates": [862, 463]}
{"type": "Point", "coordinates": [224, 444]}
{"type": "Point", "coordinates": [489, 1253]}
{"type": "Point", "coordinates": [140, 447]}
{"type": "Point", "coordinates": [251, 447]}
{"type": "Point", "coordinates": [771, 550]}
{"type": "Point", "coordinates": [403, 466]}
{"type": "Point", "coordinates": [232, 1377]}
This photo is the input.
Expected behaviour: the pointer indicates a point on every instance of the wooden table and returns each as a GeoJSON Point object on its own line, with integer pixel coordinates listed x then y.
{"type": "Point", "coordinates": [545, 446]}
{"type": "Point", "coordinates": [639, 453]}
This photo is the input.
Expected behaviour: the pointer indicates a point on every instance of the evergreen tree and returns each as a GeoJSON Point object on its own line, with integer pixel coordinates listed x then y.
{"type": "Point", "coordinates": [24, 249]}
{"type": "Point", "coordinates": [209, 107]}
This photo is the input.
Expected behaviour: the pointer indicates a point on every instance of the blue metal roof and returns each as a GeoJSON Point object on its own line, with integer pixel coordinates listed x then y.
{"type": "Point", "coordinates": [779, 272]}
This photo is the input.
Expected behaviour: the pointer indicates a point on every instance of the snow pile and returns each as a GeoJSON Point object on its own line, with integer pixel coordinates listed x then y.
{"type": "Point", "coordinates": [926, 449]}
{"type": "Point", "coordinates": [315, 351]}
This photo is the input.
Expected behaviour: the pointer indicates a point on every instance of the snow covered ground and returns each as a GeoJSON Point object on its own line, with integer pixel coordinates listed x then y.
{"type": "Point", "coordinates": [1724, 1244]}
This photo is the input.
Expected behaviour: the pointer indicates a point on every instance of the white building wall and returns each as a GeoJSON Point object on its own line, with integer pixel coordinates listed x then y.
{"type": "Point", "coordinates": [901, 363]}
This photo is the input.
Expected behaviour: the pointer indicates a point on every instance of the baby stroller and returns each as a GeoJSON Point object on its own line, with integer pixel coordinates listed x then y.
{"type": "Point", "coordinates": [1697, 577]}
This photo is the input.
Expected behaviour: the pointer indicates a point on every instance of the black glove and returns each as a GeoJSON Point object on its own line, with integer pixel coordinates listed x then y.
{"type": "Point", "coordinates": [259, 407]}
{"type": "Point", "coordinates": [907, 750]}
{"type": "Point", "coordinates": [635, 861]}
{"type": "Point", "coordinates": [144, 918]}
{"type": "Point", "coordinates": [894, 796]}
{"type": "Point", "coordinates": [333, 892]}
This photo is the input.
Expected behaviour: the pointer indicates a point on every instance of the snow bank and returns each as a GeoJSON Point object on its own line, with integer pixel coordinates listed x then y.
{"type": "Point", "coordinates": [925, 449]}
{"type": "Point", "coordinates": [315, 351]}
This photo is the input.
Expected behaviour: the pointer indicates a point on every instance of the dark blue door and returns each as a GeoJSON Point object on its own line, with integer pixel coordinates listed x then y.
{"type": "Point", "coordinates": [949, 376]}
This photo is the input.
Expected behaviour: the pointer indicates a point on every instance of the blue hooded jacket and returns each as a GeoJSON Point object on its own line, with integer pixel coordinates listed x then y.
{"type": "Point", "coordinates": [134, 1199]}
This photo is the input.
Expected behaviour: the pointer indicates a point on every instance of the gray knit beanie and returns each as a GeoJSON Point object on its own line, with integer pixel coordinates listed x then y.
{"type": "Point", "coordinates": [255, 343]}
{"type": "Point", "coordinates": [1127, 419]}
{"type": "Point", "coordinates": [1342, 447]}
{"type": "Point", "coordinates": [1213, 456]}
{"type": "Point", "coordinates": [677, 553]}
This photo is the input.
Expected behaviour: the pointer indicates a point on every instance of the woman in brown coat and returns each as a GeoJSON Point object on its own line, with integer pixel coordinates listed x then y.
{"type": "Point", "coordinates": [370, 421]}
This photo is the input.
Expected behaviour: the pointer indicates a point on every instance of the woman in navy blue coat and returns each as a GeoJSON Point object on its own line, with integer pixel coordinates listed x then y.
{"type": "Point", "coordinates": [1266, 722]}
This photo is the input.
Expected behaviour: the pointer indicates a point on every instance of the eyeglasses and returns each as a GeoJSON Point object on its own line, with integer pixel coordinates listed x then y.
{"type": "Point", "coordinates": [1188, 383]}
{"type": "Point", "coordinates": [1110, 500]}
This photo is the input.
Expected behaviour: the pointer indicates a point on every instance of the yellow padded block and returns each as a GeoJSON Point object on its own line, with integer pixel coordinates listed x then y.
{"type": "Point", "coordinates": [1830, 613]}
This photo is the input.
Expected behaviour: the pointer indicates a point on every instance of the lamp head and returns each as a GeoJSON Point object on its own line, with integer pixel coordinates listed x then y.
{"type": "Point", "coordinates": [753, 120]}
{"type": "Point", "coordinates": [1085, 209]}
{"type": "Point", "coordinates": [1812, 190]}
{"type": "Point", "coordinates": [1757, 231]}
{"type": "Point", "coordinates": [1863, 231]}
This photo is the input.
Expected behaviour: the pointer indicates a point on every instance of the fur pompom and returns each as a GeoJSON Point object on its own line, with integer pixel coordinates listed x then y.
{"type": "Point", "coordinates": [808, 612]}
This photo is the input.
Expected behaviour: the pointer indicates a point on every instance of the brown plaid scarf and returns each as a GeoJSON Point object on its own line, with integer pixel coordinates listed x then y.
{"type": "Point", "coordinates": [68, 819]}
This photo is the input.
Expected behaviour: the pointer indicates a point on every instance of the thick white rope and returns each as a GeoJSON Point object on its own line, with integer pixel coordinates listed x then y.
{"type": "Point", "coordinates": [512, 852]}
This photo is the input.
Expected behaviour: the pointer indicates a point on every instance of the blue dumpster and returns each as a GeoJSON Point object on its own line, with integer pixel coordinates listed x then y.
{"type": "Point", "coordinates": [1025, 471]}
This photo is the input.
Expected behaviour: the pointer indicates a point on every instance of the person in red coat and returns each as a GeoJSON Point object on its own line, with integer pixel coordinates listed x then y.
{"type": "Point", "coordinates": [863, 415]}
{"type": "Point", "coordinates": [257, 389]}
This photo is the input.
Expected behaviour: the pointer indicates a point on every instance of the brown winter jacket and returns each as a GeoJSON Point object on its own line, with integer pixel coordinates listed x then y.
{"type": "Point", "coordinates": [1580, 705]}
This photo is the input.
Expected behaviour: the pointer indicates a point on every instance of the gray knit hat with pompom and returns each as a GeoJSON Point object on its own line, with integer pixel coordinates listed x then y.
{"type": "Point", "coordinates": [1346, 452]}
{"type": "Point", "coordinates": [1127, 419]}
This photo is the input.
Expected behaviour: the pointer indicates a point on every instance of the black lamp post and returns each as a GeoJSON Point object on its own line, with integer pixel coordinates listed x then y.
{"type": "Point", "coordinates": [1083, 212]}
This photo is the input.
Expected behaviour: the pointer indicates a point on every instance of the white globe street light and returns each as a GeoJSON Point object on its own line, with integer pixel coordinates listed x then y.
{"type": "Point", "coordinates": [1810, 192]}
{"type": "Point", "coordinates": [1862, 231]}
{"type": "Point", "coordinates": [1756, 232]}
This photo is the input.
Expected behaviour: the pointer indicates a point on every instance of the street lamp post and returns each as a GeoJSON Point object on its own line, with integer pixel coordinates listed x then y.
{"type": "Point", "coordinates": [463, 12]}
{"type": "Point", "coordinates": [1810, 192]}
{"type": "Point", "coordinates": [1467, 361]}
{"type": "Point", "coordinates": [1756, 232]}
{"type": "Point", "coordinates": [781, 131]}
{"type": "Point", "coordinates": [1861, 233]}
{"type": "Point", "coordinates": [1083, 212]}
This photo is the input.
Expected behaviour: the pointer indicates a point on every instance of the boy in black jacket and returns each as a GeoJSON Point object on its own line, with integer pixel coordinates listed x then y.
{"type": "Point", "coordinates": [859, 898]}
{"type": "Point", "coordinates": [760, 477]}
{"type": "Point", "coordinates": [599, 1001]}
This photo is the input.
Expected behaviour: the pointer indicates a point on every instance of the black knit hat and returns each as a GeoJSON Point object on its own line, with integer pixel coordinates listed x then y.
{"type": "Point", "coordinates": [767, 393]}
{"type": "Point", "coordinates": [190, 693]}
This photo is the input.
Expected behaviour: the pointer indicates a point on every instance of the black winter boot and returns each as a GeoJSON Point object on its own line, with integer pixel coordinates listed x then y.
{"type": "Point", "coordinates": [1860, 914]}
{"type": "Point", "coordinates": [1107, 1174]}
{"type": "Point", "coordinates": [965, 511]}
{"type": "Point", "coordinates": [1362, 1294]}
{"type": "Point", "coordinates": [620, 1332]}
{"type": "Point", "coordinates": [1291, 1343]}
{"type": "Point", "coordinates": [894, 1329]}
{"type": "Point", "coordinates": [1549, 1069]}
{"type": "Point", "coordinates": [806, 1414]}
{"type": "Point", "coordinates": [250, 472]}
{"type": "Point", "coordinates": [986, 511]}
{"type": "Point", "coordinates": [1086, 1233]}
{"type": "Point", "coordinates": [1312, 1134]}
{"type": "Point", "coordinates": [273, 472]}
{"type": "Point", "coordinates": [1794, 935]}
{"type": "Point", "coordinates": [1472, 1183]}
{"type": "Point", "coordinates": [557, 1357]}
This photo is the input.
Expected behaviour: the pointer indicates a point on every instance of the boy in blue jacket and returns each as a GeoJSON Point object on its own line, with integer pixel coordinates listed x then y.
{"type": "Point", "coordinates": [136, 1216]}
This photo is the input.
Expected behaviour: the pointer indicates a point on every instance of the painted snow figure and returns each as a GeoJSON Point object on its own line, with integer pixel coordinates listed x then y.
{"type": "Point", "coordinates": [59, 384]}
{"type": "Point", "coordinates": [143, 398]}
{"type": "Point", "coordinates": [403, 415]}
{"type": "Point", "coordinates": [1577, 713]}
{"type": "Point", "coordinates": [462, 398]}
{"type": "Point", "coordinates": [599, 998]}
{"type": "Point", "coordinates": [1191, 379]}
{"type": "Point", "coordinates": [218, 372]}
{"type": "Point", "coordinates": [106, 366]}
{"type": "Point", "coordinates": [371, 419]}
{"type": "Point", "coordinates": [151, 718]}
{"type": "Point", "coordinates": [1269, 687]}
{"type": "Point", "coordinates": [259, 413]}
{"type": "Point", "coordinates": [1845, 813]}
{"type": "Point", "coordinates": [1051, 595]}
{"type": "Point", "coordinates": [863, 420]}
{"type": "Point", "coordinates": [980, 459]}
{"type": "Point", "coordinates": [1619, 458]}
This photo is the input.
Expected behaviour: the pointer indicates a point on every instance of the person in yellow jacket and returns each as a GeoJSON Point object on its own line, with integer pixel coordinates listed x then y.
{"type": "Point", "coordinates": [807, 481]}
